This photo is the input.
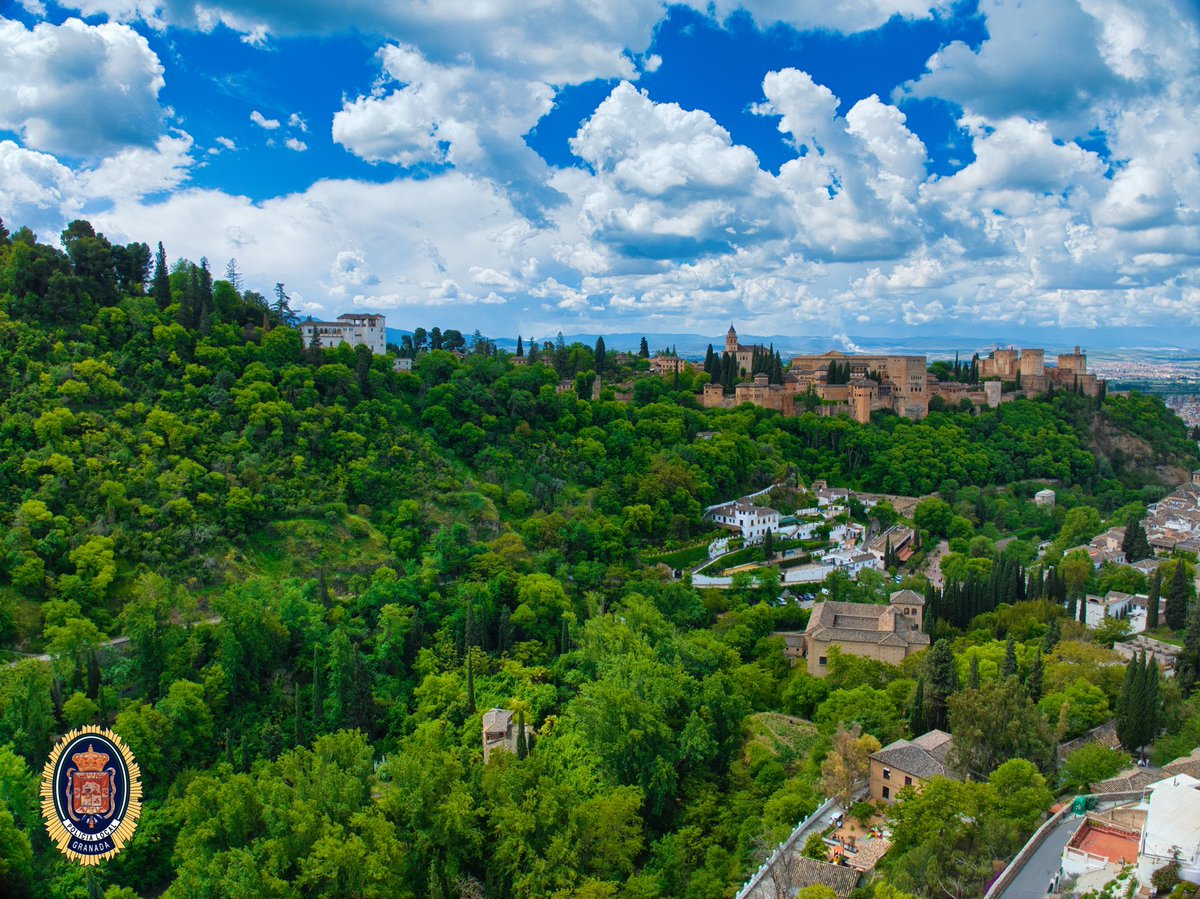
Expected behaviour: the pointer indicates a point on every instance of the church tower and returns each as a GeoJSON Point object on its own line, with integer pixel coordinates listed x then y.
{"type": "Point", "coordinates": [731, 341]}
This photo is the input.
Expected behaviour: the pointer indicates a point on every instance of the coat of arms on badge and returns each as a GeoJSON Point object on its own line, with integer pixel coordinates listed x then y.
{"type": "Point", "coordinates": [91, 795]}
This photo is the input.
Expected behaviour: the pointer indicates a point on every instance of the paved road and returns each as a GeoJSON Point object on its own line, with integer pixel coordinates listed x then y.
{"type": "Point", "coordinates": [1033, 881]}
{"type": "Point", "coordinates": [115, 643]}
{"type": "Point", "coordinates": [933, 564]}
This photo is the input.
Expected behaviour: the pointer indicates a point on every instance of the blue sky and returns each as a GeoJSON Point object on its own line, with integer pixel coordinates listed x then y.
{"type": "Point", "coordinates": [833, 169]}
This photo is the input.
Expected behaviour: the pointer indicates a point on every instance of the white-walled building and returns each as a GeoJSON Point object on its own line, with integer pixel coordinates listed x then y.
{"type": "Point", "coordinates": [351, 328]}
{"type": "Point", "coordinates": [1113, 604]}
{"type": "Point", "coordinates": [1172, 825]}
{"type": "Point", "coordinates": [751, 521]}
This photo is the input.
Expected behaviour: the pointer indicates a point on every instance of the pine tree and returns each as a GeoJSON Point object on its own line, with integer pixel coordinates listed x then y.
{"type": "Point", "coordinates": [189, 307]}
{"type": "Point", "coordinates": [1177, 597]}
{"type": "Point", "coordinates": [916, 715]}
{"type": "Point", "coordinates": [1010, 658]}
{"type": "Point", "coordinates": [204, 298]}
{"type": "Point", "coordinates": [1154, 600]}
{"type": "Point", "coordinates": [1033, 683]}
{"type": "Point", "coordinates": [522, 740]}
{"type": "Point", "coordinates": [162, 279]}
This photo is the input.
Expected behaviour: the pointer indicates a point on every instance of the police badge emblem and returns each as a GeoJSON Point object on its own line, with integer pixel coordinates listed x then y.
{"type": "Point", "coordinates": [91, 795]}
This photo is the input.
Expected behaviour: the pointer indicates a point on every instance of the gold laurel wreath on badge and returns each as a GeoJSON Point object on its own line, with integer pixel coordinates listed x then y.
{"type": "Point", "coordinates": [55, 826]}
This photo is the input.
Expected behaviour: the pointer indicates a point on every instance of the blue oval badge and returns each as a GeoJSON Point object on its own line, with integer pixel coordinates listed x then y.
{"type": "Point", "coordinates": [91, 795]}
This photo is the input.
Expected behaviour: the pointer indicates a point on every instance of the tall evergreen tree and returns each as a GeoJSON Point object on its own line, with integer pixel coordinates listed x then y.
{"type": "Point", "coordinates": [1177, 598]}
{"type": "Point", "coordinates": [1053, 634]}
{"type": "Point", "coordinates": [1127, 704]}
{"type": "Point", "coordinates": [1138, 706]}
{"type": "Point", "coordinates": [1010, 658]}
{"type": "Point", "coordinates": [601, 356]}
{"type": "Point", "coordinates": [943, 683]}
{"type": "Point", "coordinates": [522, 740]}
{"type": "Point", "coordinates": [1135, 545]}
{"type": "Point", "coordinates": [973, 674]}
{"type": "Point", "coordinates": [644, 349]}
{"type": "Point", "coordinates": [162, 279]}
{"type": "Point", "coordinates": [1154, 600]}
{"type": "Point", "coordinates": [520, 347]}
{"type": "Point", "coordinates": [204, 298]}
{"type": "Point", "coordinates": [916, 714]}
{"type": "Point", "coordinates": [1187, 673]}
{"type": "Point", "coordinates": [470, 682]}
{"type": "Point", "coordinates": [1033, 683]}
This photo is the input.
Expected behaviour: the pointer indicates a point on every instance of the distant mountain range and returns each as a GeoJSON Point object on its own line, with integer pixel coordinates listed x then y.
{"type": "Point", "coordinates": [1098, 344]}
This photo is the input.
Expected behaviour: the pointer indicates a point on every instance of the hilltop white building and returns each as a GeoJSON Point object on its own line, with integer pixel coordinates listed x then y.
{"type": "Point", "coordinates": [751, 521]}
{"type": "Point", "coordinates": [350, 328]}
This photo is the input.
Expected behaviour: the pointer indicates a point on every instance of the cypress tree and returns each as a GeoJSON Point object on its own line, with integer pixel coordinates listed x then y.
{"type": "Point", "coordinates": [1135, 545]}
{"type": "Point", "coordinates": [1187, 673]}
{"type": "Point", "coordinates": [916, 715]}
{"type": "Point", "coordinates": [1151, 703]}
{"type": "Point", "coordinates": [1033, 683]}
{"type": "Point", "coordinates": [973, 674]}
{"type": "Point", "coordinates": [1153, 602]}
{"type": "Point", "coordinates": [1127, 704]}
{"type": "Point", "coordinates": [522, 740]}
{"type": "Point", "coordinates": [1010, 658]}
{"type": "Point", "coordinates": [1138, 705]}
{"type": "Point", "coordinates": [520, 347]}
{"type": "Point", "coordinates": [768, 545]}
{"type": "Point", "coordinates": [470, 683]}
{"type": "Point", "coordinates": [943, 682]}
{"type": "Point", "coordinates": [1083, 610]}
{"type": "Point", "coordinates": [644, 349]}
{"type": "Point", "coordinates": [1177, 597]}
{"type": "Point", "coordinates": [1053, 635]}
{"type": "Point", "coordinates": [601, 355]}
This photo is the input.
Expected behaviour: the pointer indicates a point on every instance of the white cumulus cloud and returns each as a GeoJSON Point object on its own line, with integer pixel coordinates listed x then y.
{"type": "Point", "coordinates": [79, 90]}
{"type": "Point", "coordinates": [263, 122]}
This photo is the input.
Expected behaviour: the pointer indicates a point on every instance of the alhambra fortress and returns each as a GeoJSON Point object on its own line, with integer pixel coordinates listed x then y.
{"type": "Point", "coordinates": [828, 384]}
{"type": "Point", "coordinates": [901, 384]}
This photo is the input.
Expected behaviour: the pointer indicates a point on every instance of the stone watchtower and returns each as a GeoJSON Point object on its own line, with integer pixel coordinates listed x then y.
{"type": "Point", "coordinates": [910, 604]}
{"type": "Point", "coordinates": [731, 341]}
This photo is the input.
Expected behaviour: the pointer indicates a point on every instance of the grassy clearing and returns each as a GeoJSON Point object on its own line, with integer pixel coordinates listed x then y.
{"type": "Point", "coordinates": [302, 547]}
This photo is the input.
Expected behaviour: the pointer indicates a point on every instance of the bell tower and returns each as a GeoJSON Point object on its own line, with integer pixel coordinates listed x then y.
{"type": "Point", "coordinates": [731, 341]}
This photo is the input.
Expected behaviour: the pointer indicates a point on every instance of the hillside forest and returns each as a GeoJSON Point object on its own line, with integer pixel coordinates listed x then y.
{"type": "Point", "coordinates": [326, 570]}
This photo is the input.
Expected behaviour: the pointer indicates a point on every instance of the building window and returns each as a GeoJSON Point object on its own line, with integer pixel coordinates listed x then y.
{"type": "Point", "coordinates": [907, 781]}
{"type": "Point", "coordinates": [821, 660]}
{"type": "Point", "coordinates": [887, 793]}
{"type": "Point", "coordinates": [887, 773]}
